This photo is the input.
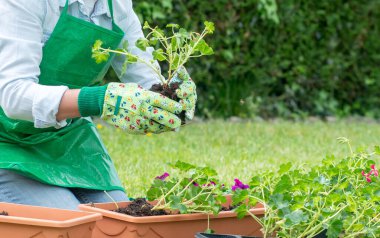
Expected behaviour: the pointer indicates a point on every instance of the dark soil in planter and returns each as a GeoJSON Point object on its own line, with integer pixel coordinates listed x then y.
{"type": "Point", "coordinates": [140, 208]}
{"type": "Point", "coordinates": [169, 91]}
{"type": "Point", "coordinates": [229, 208]}
{"type": "Point", "coordinates": [4, 213]}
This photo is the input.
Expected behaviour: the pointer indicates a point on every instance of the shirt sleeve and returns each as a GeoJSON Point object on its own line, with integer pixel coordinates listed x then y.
{"type": "Point", "coordinates": [137, 73]}
{"type": "Point", "coordinates": [21, 97]}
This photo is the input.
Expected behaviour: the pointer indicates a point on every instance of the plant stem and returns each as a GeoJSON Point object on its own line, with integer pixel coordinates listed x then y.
{"type": "Point", "coordinates": [191, 50]}
{"type": "Point", "coordinates": [158, 72]}
{"type": "Point", "coordinates": [117, 206]}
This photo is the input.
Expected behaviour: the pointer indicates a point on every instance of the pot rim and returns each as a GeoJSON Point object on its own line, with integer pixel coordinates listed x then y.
{"type": "Point", "coordinates": [82, 217]}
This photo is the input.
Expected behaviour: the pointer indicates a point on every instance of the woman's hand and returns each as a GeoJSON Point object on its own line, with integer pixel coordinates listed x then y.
{"type": "Point", "coordinates": [139, 111]}
{"type": "Point", "coordinates": [186, 92]}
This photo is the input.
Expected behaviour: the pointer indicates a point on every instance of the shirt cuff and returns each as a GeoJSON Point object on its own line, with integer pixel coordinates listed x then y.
{"type": "Point", "coordinates": [46, 105]}
{"type": "Point", "coordinates": [91, 100]}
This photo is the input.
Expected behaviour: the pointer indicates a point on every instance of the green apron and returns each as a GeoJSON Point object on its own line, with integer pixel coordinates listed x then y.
{"type": "Point", "coordinates": [73, 156]}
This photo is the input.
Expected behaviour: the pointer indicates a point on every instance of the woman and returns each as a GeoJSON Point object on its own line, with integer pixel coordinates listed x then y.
{"type": "Point", "coordinates": [50, 152]}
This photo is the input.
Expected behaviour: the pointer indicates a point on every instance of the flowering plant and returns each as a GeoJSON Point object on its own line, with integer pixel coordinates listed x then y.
{"type": "Point", "coordinates": [338, 196]}
{"type": "Point", "coordinates": [193, 190]}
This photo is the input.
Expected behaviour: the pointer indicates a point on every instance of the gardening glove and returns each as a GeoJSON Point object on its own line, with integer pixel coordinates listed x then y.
{"type": "Point", "coordinates": [130, 107]}
{"type": "Point", "coordinates": [186, 92]}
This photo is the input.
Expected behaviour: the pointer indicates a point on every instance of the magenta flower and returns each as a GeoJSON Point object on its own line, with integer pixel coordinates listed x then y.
{"type": "Point", "coordinates": [373, 172]}
{"type": "Point", "coordinates": [163, 177]}
{"type": "Point", "coordinates": [239, 185]}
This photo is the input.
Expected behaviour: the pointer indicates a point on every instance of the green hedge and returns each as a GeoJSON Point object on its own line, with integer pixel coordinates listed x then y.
{"type": "Point", "coordinates": [321, 57]}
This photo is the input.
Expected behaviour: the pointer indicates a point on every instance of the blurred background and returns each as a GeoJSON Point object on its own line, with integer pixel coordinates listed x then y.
{"type": "Point", "coordinates": [284, 61]}
{"type": "Point", "coordinates": [284, 58]}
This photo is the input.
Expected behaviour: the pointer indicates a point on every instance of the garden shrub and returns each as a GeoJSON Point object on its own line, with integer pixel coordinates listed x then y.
{"type": "Point", "coordinates": [302, 58]}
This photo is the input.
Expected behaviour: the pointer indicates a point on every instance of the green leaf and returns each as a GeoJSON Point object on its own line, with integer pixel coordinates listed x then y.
{"type": "Point", "coordinates": [241, 211]}
{"type": "Point", "coordinates": [183, 166]}
{"type": "Point", "coordinates": [142, 44]}
{"type": "Point", "coordinates": [255, 181]}
{"type": "Point", "coordinates": [125, 45]}
{"type": "Point", "coordinates": [221, 199]}
{"type": "Point", "coordinates": [239, 196]}
{"type": "Point", "coordinates": [125, 67]}
{"type": "Point", "coordinates": [131, 59]}
{"type": "Point", "coordinates": [100, 57]}
{"type": "Point", "coordinates": [210, 27]}
{"type": "Point", "coordinates": [335, 229]}
{"type": "Point", "coordinates": [174, 44]}
{"type": "Point", "coordinates": [153, 41]}
{"type": "Point", "coordinates": [209, 231]}
{"type": "Point", "coordinates": [377, 150]}
{"type": "Point", "coordinates": [153, 194]}
{"type": "Point", "coordinates": [204, 48]}
{"type": "Point", "coordinates": [172, 25]}
{"type": "Point", "coordinates": [285, 168]}
{"type": "Point", "coordinates": [146, 25]}
{"type": "Point", "coordinates": [97, 45]}
{"type": "Point", "coordinates": [295, 218]}
{"type": "Point", "coordinates": [182, 33]}
{"type": "Point", "coordinates": [209, 172]}
{"type": "Point", "coordinates": [279, 201]}
{"type": "Point", "coordinates": [159, 55]}
{"type": "Point", "coordinates": [158, 33]}
{"type": "Point", "coordinates": [283, 185]}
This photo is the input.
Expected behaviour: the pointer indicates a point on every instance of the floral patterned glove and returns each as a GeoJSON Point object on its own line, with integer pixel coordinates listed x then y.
{"type": "Point", "coordinates": [139, 111]}
{"type": "Point", "coordinates": [186, 92]}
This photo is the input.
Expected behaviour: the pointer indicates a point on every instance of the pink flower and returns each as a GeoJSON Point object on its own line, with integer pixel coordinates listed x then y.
{"type": "Point", "coordinates": [163, 177]}
{"type": "Point", "coordinates": [239, 185]}
{"type": "Point", "coordinates": [373, 172]}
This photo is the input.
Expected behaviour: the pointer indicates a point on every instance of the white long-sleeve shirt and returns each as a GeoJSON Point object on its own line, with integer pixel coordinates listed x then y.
{"type": "Point", "coordinates": [25, 26]}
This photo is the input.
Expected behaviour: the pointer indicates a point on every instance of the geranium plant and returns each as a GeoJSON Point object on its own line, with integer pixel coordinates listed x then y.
{"type": "Point", "coordinates": [193, 190]}
{"type": "Point", "coordinates": [175, 45]}
{"type": "Point", "coordinates": [339, 197]}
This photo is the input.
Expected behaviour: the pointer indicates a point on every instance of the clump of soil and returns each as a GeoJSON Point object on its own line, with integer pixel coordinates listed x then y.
{"type": "Point", "coordinates": [229, 208]}
{"type": "Point", "coordinates": [141, 208]}
{"type": "Point", "coordinates": [4, 213]}
{"type": "Point", "coordinates": [169, 91]}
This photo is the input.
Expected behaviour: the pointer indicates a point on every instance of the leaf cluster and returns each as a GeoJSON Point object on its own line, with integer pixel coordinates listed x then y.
{"type": "Point", "coordinates": [174, 45]}
{"type": "Point", "coordinates": [303, 202]}
{"type": "Point", "coordinates": [193, 190]}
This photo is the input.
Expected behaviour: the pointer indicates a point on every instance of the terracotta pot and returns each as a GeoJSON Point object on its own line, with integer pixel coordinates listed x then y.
{"type": "Point", "coordinates": [39, 222]}
{"type": "Point", "coordinates": [118, 225]}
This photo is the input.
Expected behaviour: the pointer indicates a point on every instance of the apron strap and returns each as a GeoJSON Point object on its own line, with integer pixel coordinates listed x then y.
{"type": "Point", "coordinates": [66, 7]}
{"type": "Point", "coordinates": [110, 6]}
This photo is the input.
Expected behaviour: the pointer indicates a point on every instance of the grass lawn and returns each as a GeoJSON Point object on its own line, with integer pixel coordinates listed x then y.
{"type": "Point", "coordinates": [233, 149]}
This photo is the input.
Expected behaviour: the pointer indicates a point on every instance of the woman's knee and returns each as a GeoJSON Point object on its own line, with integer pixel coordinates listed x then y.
{"type": "Point", "coordinates": [15, 188]}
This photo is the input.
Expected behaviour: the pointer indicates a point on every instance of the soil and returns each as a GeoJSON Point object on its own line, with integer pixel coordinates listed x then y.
{"type": "Point", "coordinates": [3, 213]}
{"type": "Point", "coordinates": [229, 208]}
{"type": "Point", "coordinates": [169, 91]}
{"type": "Point", "coordinates": [141, 208]}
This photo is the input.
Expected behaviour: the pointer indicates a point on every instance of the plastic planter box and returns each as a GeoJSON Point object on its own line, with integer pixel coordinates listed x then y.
{"type": "Point", "coordinates": [170, 226]}
{"type": "Point", "coordinates": [39, 222]}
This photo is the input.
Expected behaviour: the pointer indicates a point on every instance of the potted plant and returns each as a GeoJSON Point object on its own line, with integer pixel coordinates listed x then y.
{"type": "Point", "coordinates": [21, 221]}
{"type": "Point", "coordinates": [192, 202]}
{"type": "Point", "coordinates": [335, 199]}
{"type": "Point", "coordinates": [175, 46]}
